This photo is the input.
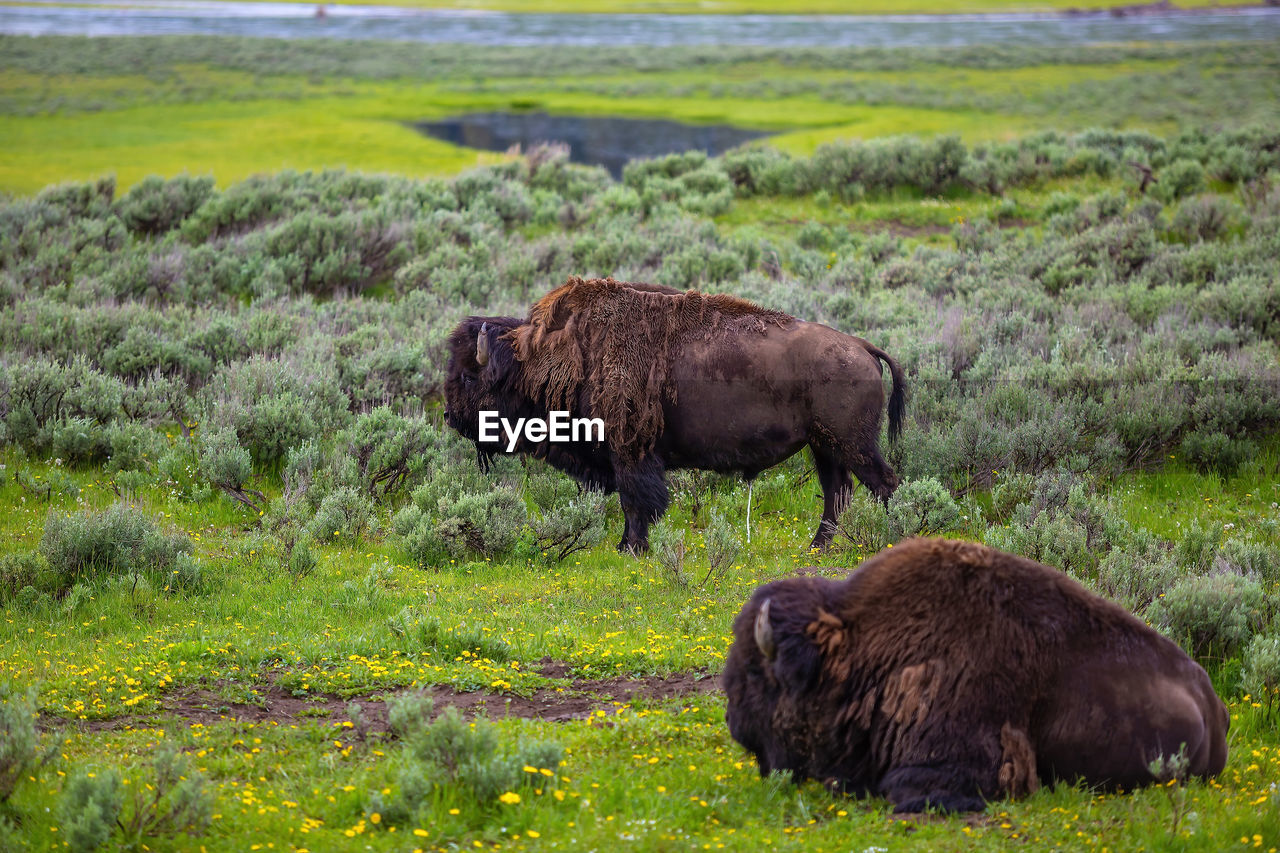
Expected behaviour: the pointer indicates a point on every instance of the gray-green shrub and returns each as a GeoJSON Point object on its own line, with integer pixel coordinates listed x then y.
{"type": "Point", "coordinates": [154, 205]}
{"type": "Point", "coordinates": [24, 570]}
{"type": "Point", "coordinates": [921, 507]}
{"type": "Point", "coordinates": [89, 808]}
{"type": "Point", "coordinates": [1211, 614]}
{"type": "Point", "coordinates": [21, 750]}
{"type": "Point", "coordinates": [119, 540]}
{"type": "Point", "coordinates": [1260, 676]}
{"type": "Point", "coordinates": [461, 762]}
{"type": "Point", "coordinates": [577, 525]}
{"type": "Point", "coordinates": [343, 515]}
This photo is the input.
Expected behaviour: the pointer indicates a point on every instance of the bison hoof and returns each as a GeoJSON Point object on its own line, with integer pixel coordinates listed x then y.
{"type": "Point", "coordinates": [941, 803]}
{"type": "Point", "coordinates": [920, 789]}
{"type": "Point", "coordinates": [820, 543]}
{"type": "Point", "coordinates": [633, 549]}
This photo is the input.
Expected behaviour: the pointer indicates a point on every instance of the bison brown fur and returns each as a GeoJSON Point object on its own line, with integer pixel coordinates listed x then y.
{"type": "Point", "coordinates": [681, 380]}
{"type": "Point", "coordinates": [945, 674]}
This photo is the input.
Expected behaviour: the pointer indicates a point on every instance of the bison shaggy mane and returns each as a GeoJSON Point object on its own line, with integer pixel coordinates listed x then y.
{"type": "Point", "coordinates": [615, 340]}
{"type": "Point", "coordinates": [946, 674]}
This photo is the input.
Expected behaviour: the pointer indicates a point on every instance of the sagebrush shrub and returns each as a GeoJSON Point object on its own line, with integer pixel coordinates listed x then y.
{"type": "Point", "coordinates": [409, 713]}
{"type": "Point", "coordinates": [344, 515]}
{"type": "Point", "coordinates": [1202, 219]}
{"type": "Point", "coordinates": [1179, 179]}
{"type": "Point", "coordinates": [21, 751]}
{"type": "Point", "coordinates": [1195, 550]}
{"type": "Point", "coordinates": [668, 548]}
{"type": "Point", "coordinates": [388, 449]}
{"type": "Point", "coordinates": [1137, 577]}
{"type": "Point", "coordinates": [42, 392]}
{"type": "Point", "coordinates": [1260, 676]}
{"type": "Point", "coordinates": [1252, 559]}
{"type": "Point", "coordinates": [78, 441]}
{"type": "Point", "coordinates": [223, 462]}
{"type": "Point", "coordinates": [921, 507]}
{"type": "Point", "coordinates": [128, 484]}
{"type": "Point", "coordinates": [155, 205]}
{"type": "Point", "coordinates": [275, 404]}
{"type": "Point", "coordinates": [1211, 614]}
{"type": "Point", "coordinates": [90, 807]}
{"type": "Point", "coordinates": [118, 540]}
{"type": "Point", "coordinates": [367, 592]}
{"type": "Point", "coordinates": [577, 525]}
{"type": "Point", "coordinates": [301, 561]}
{"type": "Point", "coordinates": [25, 570]}
{"type": "Point", "coordinates": [461, 512]}
{"type": "Point", "coordinates": [131, 446]}
{"type": "Point", "coordinates": [722, 545]}
{"type": "Point", "coordinates": [97, 808]}
{"type": "Point", "coordinates": [175, 801]}
{"type": "Point", "coordinates": [463, 763]}
{"type": "Point", "coordinates": [427, 634]}
{"type": "Point", "coordinates": [864, 522]}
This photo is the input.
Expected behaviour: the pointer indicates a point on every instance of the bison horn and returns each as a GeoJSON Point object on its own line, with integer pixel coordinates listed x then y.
{"type": "Point", "coordinates": [482, 345]}
{"type": "Point", "coordinates": [764, 632]}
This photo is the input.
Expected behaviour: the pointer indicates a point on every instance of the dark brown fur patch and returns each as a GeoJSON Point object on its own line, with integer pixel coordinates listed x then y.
{"type": "Point", "coordinates": [616, 341]}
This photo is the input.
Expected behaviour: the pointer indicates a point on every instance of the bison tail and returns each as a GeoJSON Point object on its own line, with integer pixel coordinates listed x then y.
{"type": "Point", "coordinates": [898, 397]}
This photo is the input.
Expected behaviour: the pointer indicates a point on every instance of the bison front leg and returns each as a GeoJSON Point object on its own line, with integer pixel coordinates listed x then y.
{"type": "Point", "coordinates": [945, 788]}
{"type": "Point", "coordinates": [642, 489]}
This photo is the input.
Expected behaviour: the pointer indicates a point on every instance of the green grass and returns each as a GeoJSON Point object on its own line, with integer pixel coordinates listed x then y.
{"type": "Point", "coordinates": [664, 775]}
{"type": "Point", "coordinates": [307, 786]}
{"type": "Point", "coordinates": [230, 140]}
{"type": "Point", "coordinates": [247, 113]}
{"type": "Point", "coordinates": [366, 129]}
{"type": "Point", "coordinates": [1169, 500]}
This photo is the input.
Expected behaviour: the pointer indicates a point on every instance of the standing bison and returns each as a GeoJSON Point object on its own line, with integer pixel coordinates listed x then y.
{"type": "Point", "coordinates": [945, 674]}
{"type": "Point", "coordinates": [679, 380]}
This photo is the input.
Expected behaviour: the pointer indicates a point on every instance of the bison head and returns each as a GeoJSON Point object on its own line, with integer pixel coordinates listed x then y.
{"type": "Point", "coordinates": [483, 374]}
{"type": "Point", "coordinates": [784, 639]}
{"type": "Point", "coordinates": [480, 376]}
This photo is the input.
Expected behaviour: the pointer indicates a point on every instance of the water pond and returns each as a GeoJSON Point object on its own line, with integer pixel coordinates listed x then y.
{"type": "Point", "coordinates": [596, 140]}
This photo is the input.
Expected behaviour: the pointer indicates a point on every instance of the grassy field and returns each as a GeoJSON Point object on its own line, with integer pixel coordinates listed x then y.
{"type": "Point", "coordinates": [219, 606]}
{"type": "Point", "coordinates": [212, 673]}
{"type": "Point", "coordinates": [78, 109]}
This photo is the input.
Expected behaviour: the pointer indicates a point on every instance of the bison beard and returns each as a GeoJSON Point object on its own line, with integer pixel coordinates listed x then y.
{"type": "Point", "coordinates": [681, 380]}
{"type": "Point", "coordinates": [945, 674]}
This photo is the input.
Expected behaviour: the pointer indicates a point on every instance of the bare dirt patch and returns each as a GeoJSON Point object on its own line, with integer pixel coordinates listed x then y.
{"type": "Point", "coordinates": [271, 703]}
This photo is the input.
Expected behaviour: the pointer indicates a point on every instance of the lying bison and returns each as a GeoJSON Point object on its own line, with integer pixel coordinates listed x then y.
{"type": "Point", "coordinates": [678, 380]}
{"type": "Point", "coordinates": [945, 674]}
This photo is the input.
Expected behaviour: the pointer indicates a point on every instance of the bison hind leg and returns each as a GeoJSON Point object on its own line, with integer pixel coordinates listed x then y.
{"type": "Point", "coordinates": [942, 788]}
{"type": "Point", "coordinates": [837, 489]}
